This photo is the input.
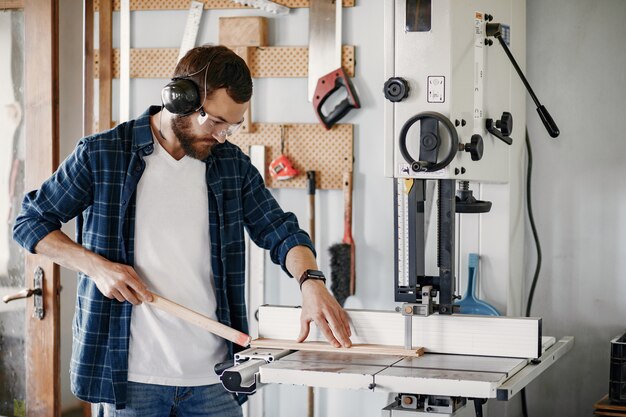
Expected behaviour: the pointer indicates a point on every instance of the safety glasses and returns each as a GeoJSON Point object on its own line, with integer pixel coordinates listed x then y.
{"type": "Point", "coordinates": [218, 129]}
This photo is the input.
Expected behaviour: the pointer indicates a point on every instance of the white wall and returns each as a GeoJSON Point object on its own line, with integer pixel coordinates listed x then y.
{"type": "Point", "coordinates": [576, 60]}
{"type": "Point", "coordinates": [576, 65]}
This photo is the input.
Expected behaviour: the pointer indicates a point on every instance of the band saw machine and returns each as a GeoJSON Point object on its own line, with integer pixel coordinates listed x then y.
{"type": "Point", "coordinates": [451, 96]}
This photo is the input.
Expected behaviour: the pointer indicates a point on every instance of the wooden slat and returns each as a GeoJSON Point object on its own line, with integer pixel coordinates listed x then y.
{"type": "Point", "coordinates": [309, 147]}
{"type": "Point", "coordinates": [88, 68]}
{"type": "Point", "coordinates": [606, 405]}
{"type": "Point", "coordinates": [363, 348]}
{"type": "Point", "coordinates": [11, 4]}
{"type": "Point", "coordinates": [456, 334]}
{"type": "Point", "coordinates": [105, 57]}
{"type": "Point", "coordinates": [202, 321]}
{"type": "Point", "coordinates": [264, 62]}
{"type": "Point", "coordinates": [209, 4]}
{"type": "Point", "coordinates": [41, 125]}
{"type": "Point", "coordinates": [247, 126]}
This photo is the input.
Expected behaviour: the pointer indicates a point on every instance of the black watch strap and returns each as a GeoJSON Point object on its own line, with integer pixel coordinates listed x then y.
{"type": "Point", "coordinates": [311, 274]}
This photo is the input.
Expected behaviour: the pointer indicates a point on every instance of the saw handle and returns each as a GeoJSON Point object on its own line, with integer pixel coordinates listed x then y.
{"type": "Point", "coordinates": [328, 85]}
{"type": "Point", "coordinates": [200, 320]}
{"type": "Point", "coordinates": [347, 227]}
{"type": "Point", "coordinates": [347, 213]}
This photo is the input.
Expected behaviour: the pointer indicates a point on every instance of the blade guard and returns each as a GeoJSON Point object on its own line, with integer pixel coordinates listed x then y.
{"type": "Point", "coordinates": [326, 87]}
{"type": "Point", "coordinates": [281, 168]}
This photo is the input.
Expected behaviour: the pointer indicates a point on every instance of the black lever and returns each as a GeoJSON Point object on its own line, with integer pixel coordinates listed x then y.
{"type": "Point", "coordinates": [495, 30]}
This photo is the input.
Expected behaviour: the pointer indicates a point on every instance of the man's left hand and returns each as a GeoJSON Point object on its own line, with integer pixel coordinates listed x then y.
{"type": "Point", "coordinates": [319, 306]}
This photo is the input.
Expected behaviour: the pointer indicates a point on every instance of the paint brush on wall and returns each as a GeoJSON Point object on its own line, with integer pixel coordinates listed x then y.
{"type": "Point", "coordinates": [342, 260]}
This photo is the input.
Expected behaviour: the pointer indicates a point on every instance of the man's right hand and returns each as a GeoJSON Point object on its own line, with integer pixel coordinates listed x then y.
{"type": "Point", "coordinates": [114, 280]}
{"type": "Point", "coordinates": [119, 281]}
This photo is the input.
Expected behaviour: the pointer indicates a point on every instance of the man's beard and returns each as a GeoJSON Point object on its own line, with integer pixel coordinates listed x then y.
{"type": "Point", "coordinates": [194, 146]}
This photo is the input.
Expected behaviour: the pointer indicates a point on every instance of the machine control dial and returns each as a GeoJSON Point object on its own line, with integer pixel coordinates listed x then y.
{"type": "Point", "coordinates": [475, 147]}
{"type": "Point", "coordinates": [396, 89]}
{"type": "Point", "coordinates": [505, 124]}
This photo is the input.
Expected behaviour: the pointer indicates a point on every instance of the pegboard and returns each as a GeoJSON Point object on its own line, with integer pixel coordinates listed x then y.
{"type": "Point", "coordinates": [264, 62]}
{"type": "Point", "coordinates": [208, 4]}
{"type": "Point", "coordinates": [309, 147]}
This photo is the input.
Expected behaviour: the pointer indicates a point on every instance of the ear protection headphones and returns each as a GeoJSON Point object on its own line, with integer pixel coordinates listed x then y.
{"type": "Point", "coordinates": [181, 95]}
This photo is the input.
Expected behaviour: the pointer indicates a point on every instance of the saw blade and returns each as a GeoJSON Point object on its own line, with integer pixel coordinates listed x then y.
{"type": "Point", "coordinates": [324, 40]}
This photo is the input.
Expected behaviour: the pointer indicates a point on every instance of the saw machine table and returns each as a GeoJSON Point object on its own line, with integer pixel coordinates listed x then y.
{"type": "Point", "coordinates": [431, 374]}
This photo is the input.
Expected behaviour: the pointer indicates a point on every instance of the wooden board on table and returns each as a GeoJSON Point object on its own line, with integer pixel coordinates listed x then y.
{"type": "Point", "coordinates": [456, 334]}
{"type": "Point", "coordinates": [364, 348]}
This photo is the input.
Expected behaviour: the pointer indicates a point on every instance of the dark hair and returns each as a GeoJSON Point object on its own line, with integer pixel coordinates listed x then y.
{"type": "Point", "coordinates": [225, 70]}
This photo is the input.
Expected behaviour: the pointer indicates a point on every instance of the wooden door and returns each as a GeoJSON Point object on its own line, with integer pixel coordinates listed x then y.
{"type": "Point", "coordinates": [29, 102]}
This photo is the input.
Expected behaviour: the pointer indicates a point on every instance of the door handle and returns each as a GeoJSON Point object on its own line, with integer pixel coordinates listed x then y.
{"type": "Point", "coordinates": [25, 293]}
{"type": "Point", "coordinates": [36, 291]}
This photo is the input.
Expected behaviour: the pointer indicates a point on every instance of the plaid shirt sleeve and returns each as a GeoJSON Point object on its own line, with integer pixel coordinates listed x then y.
{"type": "Point", "coordinates": [61, 198]}
{"type": "Point", "coordinates": [268, 225]}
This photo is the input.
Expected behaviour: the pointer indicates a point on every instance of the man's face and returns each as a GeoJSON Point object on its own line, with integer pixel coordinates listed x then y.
{"type": "Point", "coordinates": [200, 131]}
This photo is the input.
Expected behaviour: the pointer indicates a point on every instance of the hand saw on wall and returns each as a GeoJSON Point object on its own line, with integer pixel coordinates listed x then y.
{"type": "Point", "coordinates": [327, 78]}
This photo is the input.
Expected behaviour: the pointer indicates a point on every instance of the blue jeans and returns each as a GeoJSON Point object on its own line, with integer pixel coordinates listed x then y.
{"type": "Point", "coordinates": [147, 400]}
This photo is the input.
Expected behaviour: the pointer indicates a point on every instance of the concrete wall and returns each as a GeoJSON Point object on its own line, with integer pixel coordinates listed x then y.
{"type": "Point", "coordinates": [575, 62]}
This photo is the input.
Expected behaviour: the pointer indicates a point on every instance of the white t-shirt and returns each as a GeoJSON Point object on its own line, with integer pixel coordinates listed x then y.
{"type": "Point", "coordinates": [173, 257]}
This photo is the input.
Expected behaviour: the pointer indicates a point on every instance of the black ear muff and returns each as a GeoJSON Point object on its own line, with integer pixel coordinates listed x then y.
{"type": "Point", "coordinates": [181, 96]}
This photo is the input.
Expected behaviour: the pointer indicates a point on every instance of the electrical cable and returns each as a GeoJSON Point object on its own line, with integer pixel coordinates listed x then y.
{"type": "Point", "coordinates": [531, 219]}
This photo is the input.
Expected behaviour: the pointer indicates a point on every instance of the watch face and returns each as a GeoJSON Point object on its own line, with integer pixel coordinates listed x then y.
{"type": "Point", "coordinates": [314, 273]}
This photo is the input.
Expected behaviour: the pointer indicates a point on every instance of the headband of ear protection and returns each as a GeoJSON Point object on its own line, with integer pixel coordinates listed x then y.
{"type": "Point", "coordinates": [181, 95]}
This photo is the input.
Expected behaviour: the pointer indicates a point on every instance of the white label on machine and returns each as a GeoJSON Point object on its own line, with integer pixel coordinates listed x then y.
{"type": "Point", "coordinates": [436, 89]}
{"type": "Point", "coordinates": [479, 70]}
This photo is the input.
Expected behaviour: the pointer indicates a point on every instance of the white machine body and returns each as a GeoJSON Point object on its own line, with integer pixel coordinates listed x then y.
{"type": "Point", "coordinates": [451, 70]}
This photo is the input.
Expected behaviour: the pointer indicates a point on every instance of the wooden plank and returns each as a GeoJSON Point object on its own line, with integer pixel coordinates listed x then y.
{"type": "Point", "coordinates": [124, 85]}
{"type": "Point", "coordinates": [264, 62]}
{"type": "Point", "coordinates": [88, 68]}
{"type": "Point", "coordinates": [605, 404]}
{"type": "Point", "coordinates": [363, 348]}
{"type": "Point", "coordinates": [41, 125]}
{"type": "Point", "coordinates": [456, 334]}
{"type": "Point", "coordinates": [209, 4]}
{"type": "Point", "coordinates": [310, 147]}
{"type": "Point", "coordinates": [243, 31]}
{"type": "Point", "coordinates": [247, 125]}
{"type": "Point", "coordinates": [200, 320]}
{"type": "Point", "coordinates": [105, 56]}
{"type": "Point", "coordinates": [11, 4]}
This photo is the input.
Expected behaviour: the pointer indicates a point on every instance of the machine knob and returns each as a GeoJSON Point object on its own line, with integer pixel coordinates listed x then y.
{"type": "Point", "coordinates": [505, 124]}
{"type": "Point", "coordinates": [475, 147]}
{"type": "Point", "coordinates": [396, 89]}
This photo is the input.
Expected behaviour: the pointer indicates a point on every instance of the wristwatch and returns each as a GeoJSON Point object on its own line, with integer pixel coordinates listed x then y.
{"type": "Point", "coordinates": [311, 274]}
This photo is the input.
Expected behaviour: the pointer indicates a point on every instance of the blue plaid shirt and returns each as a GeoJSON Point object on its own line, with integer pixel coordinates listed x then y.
{"type": "Point", "coordinates": [97, 184]}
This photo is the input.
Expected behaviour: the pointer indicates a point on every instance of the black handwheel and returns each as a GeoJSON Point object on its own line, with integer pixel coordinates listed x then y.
{"type": "Point", "coordinates": [418, 166]}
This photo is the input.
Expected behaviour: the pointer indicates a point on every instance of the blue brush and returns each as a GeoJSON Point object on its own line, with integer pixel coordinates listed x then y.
{"type": "Point", "coordinates": [469, 303]}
